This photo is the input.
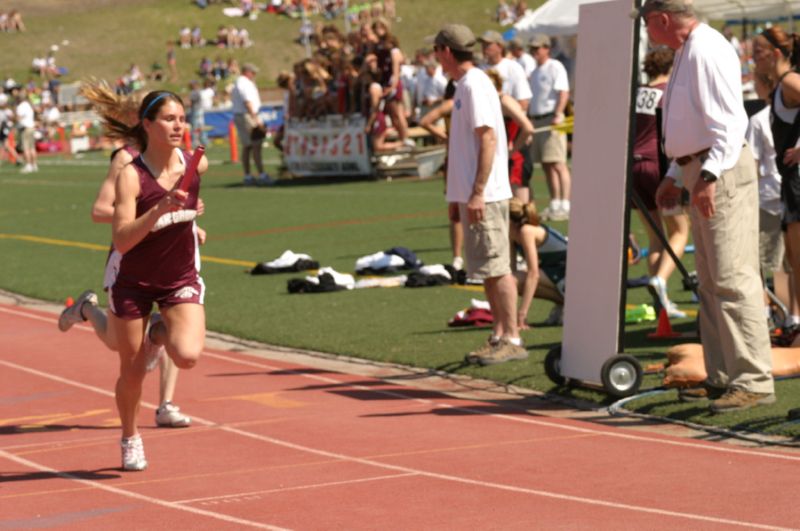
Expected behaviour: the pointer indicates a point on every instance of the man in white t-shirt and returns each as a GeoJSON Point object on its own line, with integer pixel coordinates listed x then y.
{"type": "Point", "coordinates": [550, 87]}
{"type": "Point", "coordinates": [26, 123]}
{"type": "Point", "coordinates": [246, 103]}
{"type": "Point", "coordinates": [525, 60]}
{"type": "Point", "coordinates": [477, 185]}
{"type": "Point", "coordinates": [515, 83]}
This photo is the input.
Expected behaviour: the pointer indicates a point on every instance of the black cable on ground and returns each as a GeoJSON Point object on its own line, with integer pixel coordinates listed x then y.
{"type": "Point", "coordinates": [617, 410]}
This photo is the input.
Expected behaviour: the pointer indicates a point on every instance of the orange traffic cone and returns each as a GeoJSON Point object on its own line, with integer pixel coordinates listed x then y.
{"type": "Point", "coordinates": [664, 328]}
{"type": "Point", "coordinates": [69, 302]}
{"type": "Point", "coordinates": [233, 141]}
{"type": "Point", "coordinates": [187, 138]}
{"type": "Point", "coordinates": [11, 143]}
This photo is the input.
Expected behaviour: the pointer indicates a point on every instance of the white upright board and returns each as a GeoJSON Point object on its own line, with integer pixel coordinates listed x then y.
{"type": "Point", "coordinates": [600, 161]}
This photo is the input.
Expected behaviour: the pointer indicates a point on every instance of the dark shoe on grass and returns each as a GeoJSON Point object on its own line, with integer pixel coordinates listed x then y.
{"type": "Point", "coordinates": [739, 399]}
{"type": "Point", "coordinates": [704, 391]}
{"type": "Point", "coordinates": [793, 414]}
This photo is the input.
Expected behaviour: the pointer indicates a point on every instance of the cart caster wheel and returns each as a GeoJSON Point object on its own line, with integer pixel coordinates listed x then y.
{"type": "Point", "coordinates": [552, 366]}
{"type": "Point", "coordinates": [621, 376]}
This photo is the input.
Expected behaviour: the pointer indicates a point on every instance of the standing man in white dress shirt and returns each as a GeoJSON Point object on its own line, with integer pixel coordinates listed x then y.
{"type": "Point", "coordinates": [704, 134]}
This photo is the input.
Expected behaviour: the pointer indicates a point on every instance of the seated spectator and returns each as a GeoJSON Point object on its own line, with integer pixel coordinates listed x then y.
{"type": "Point", "coordinates": [206, 68]}
{"type": "Point", "coordinates": [233, 67]}
{"type": "Point", "coordinates": [521, 9]}
{"type": "Point", "coordinates": [15, 21]}
{"type": "Point", "coordinates": [377, 127]}
{"type": "Point", "coordinates": [314, 81]}
{"type": "Point", "coordinates": [185, 37]}
{"type": "Point", "coordinates": [220, 69]}
{"type": "Point", "coordinates": [244, 38]}
{"type": "Point", "coordinates": [505, 15]}
{"type": "Point", "coordinates": [197, 37]}
{"type": "Point", "coordinates": [156, 72]}
{"type": "Point", "coordinates": [234, 41]}
{"type": "Point", "coordinates": [222, 36]}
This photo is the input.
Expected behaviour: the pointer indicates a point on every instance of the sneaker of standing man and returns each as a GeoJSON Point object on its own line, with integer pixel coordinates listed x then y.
{"type": "Point", "coordinates": [504, 351]}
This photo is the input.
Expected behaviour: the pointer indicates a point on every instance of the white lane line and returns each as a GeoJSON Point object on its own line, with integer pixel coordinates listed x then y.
{"type": "Point", "coordinates": [434, 475]}
{"type": "Point", "coordinates": [299, 487]}
{"type": "Point", "coordinates": [517, 418]}
{"type": "Point", "coordinates": [137, 496]}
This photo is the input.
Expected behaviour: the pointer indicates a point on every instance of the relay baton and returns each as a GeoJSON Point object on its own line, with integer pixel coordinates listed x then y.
{"type": "Point", "coordinates": [567, 126]}
{"type": "Point", "coordinates": [191, 168]}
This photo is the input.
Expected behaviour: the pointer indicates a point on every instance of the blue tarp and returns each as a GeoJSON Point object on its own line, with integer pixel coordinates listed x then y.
{"type": "Point", "coordinates": [271, 115]}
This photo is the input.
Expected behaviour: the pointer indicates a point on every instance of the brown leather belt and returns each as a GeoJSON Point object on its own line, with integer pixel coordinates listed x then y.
{"type": "Point", "coordinates": [686, 159]}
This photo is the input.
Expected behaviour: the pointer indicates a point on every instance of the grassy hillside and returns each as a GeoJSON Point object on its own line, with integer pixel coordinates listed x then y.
{"type": "Point", "coordinates": [106, 36]}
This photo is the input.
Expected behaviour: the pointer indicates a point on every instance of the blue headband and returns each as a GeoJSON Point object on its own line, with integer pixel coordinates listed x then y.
{"type": "Point", "coordinates": [144, 112]}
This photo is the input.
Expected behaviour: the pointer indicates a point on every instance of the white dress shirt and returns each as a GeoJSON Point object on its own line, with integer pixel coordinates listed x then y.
{"type": "Point", "coordinates": [703, 106]}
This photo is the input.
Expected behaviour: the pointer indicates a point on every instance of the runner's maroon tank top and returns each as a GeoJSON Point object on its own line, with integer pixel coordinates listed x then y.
{"type": "Point", "coordinates": [168, 256]}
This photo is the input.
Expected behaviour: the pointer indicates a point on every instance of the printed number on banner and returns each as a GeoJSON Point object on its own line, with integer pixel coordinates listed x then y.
{"type": "Point", "coordinates": [647, 100]}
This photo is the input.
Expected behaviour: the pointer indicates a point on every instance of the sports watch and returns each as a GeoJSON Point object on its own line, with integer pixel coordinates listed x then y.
{"type": "Point", "coordinates": [707, 176]}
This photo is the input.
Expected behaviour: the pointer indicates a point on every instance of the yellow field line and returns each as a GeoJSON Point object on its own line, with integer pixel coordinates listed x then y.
{"type": "Point", "coordinates": [96, 247]}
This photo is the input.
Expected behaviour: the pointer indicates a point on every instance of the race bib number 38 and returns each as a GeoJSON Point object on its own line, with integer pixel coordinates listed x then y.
{"type": "Point", "coordinates": [647, 99]}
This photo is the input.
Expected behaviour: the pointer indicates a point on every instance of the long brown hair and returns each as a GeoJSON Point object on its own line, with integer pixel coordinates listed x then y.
{"type": "Point", "coordinates": [122, 115]}
{"type": "Point", "coordinates": [789, 45]}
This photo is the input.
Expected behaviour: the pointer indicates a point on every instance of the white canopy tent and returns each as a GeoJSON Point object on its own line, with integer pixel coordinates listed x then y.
{"type": "Point", "coordinates": [560, 17]}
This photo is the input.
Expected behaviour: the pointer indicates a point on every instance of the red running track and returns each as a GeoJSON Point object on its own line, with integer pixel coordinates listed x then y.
{"type": "Point", "coordinates": [278, 445]}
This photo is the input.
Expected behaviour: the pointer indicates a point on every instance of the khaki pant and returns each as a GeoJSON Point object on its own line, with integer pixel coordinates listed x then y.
{"type": "Point", "coordinates": [732, 324]}
{"type": "Point", "coordinates": [548, 146]}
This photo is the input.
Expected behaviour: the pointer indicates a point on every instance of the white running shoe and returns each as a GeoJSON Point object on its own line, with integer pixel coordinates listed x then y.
{"type": "Point", "coordinates": [673, 312]}
{"type": "Point", "coordinates": [152, 351]}
{"type": "Point", "coordinates": [169, 416]}
{"type": "Point", "coordinates": [72, 314]}
{"type": "Point", "coordinates": [133, 454]}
